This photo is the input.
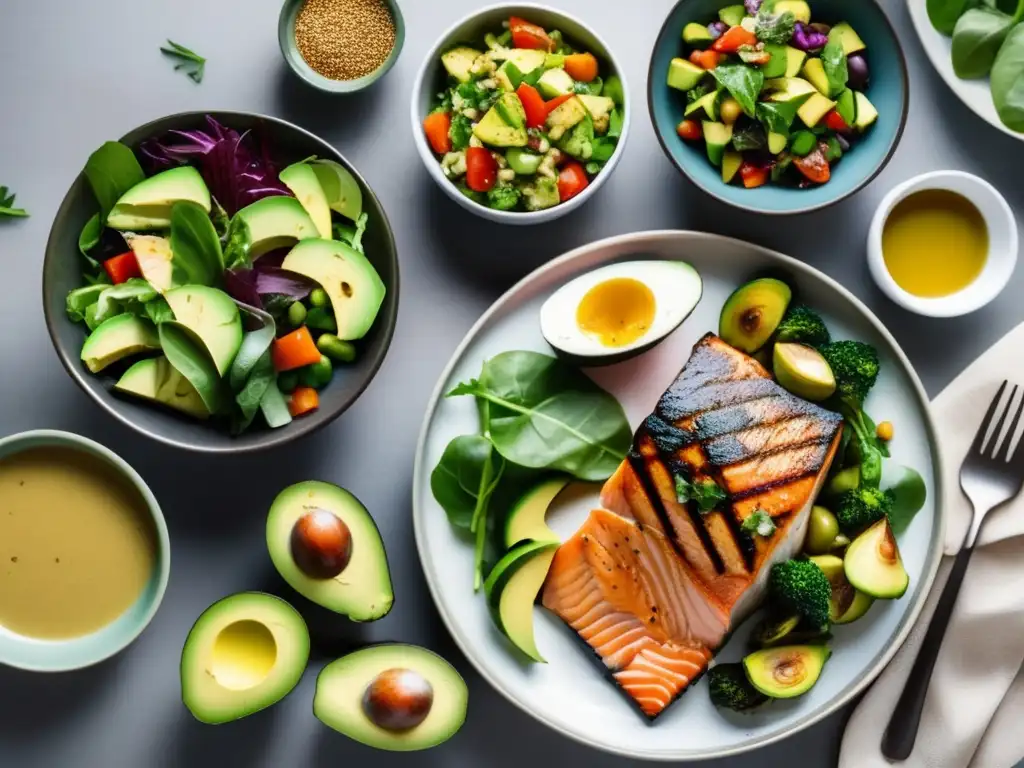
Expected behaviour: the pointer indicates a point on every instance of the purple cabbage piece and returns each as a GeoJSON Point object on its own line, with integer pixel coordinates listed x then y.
{"type": "Point", "coordinates": [237, 172]}
{"type": "Point", "coordinates": [717, 29]}
{"type": "Point", "coordinates": [241, 286]}
{"type": "Point", "coordinates": [857, 66]}
{"type": "Point", "coordinates": [807, 39]}
{"type": "Point", "coordinates": [752, 6]}
{"type": "Point", "coordinates": [284, 281]}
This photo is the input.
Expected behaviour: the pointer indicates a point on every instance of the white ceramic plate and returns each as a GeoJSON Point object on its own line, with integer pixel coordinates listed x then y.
{"type": "Point", "coordinates": [976, 94]}
{"type": "Point", "coordinates": [569, 693]}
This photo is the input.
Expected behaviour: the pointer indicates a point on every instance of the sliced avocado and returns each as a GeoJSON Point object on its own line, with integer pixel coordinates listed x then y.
{"type": "Point", "coordinates": [597, 106]}
{"type": "Point", "coordinates": [697, 35]}
{"type": "Point", "coordinates": [731, 162]}
{"type": "Point", "coordinates": [340, 188]}
{"type": "Point", "coordinates": [147, 205]}
{"type": "Point", "coordinates": [511, 110]}
{"type": "Point", "coordinates": [779, 62]}
{"type": "Point", "coordinates": [803, 371]}
{"type": "Point", "coordinates": [795, 59]}
{"type": "Point", "coordinates": [213, 317]}
{"type": "Point", "coordinates": [787, 671]}
{"type": "Point", "coordinates": [857, 608]}
{"type": "Point", "coordinates": [799, 8]}
{"type": "Point", "coordinates": [845, 34]}
{"type": "Point", "coordinates": [459, 62]}
{"type": "Point", "coordinates": [157, 380]}
{"type": "Point", "coordinates": [846, 106]}
{"type": "Point", "coordinates": [502, 76]}
{"type": "Point", "coordinates": [275, 222]}
{"type": "Point", "coordinates": [325, 544]}
{"type": "Point", "coordinates": [753, 312]}
{"type": "Point", "coordinates": [117, 338]}
{"type": "Point", "coordinates": [732, 15]}
{"type": "Point", "coordinates": [847, 603]}
{"type": "Point", "coordinates": [866, 112]}
{"type": "Point", "coordinates": [873, 563]}
{"type": "Point", "coordinates": [494, 131]}
{"type": "Point", "coordinates": [555, 82]}
{"type": "Point", "coordinates": [393, 697]}
{"type": "Point", "coordinates": [565, 116]}
{"type": "Point", "coordinates": [814, 109]}
{"type": "Point", "coordinates": [244, 653]}
{"type": "Point", "coordinates": [716, 138]}
{"type": "Point", "coordinates": [353, 285]}
{"type": "Point", "coordinates": [153, 253]}
{"type": "Point", "coordinates": [512, 588]}
{"type": "Point", "coordinates": [684, 75]}
{"type": "Point", "coordinates": [543, 193]}
{"type": "Point", "coordinates": [777, 142]}
{"type": "Point", "coordinates": [814, 73]}
{"type": "Point", "coordinates": [302, 180]}
{"type": "Point", "coordinates": [527, 59]}
{"type": "Point", "coordinates": [787, 88]}
{"type": "Point", "coordinates": [709, 103]}
{"type": "Point", "coordinates": [772, 631]}
{"type": "Point", "coordinates": [525, 521]}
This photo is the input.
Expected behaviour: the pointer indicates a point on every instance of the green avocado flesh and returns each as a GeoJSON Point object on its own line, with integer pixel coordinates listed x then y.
{"type": "Point", "coordinates": [156, 380]}
{"type": "Point", "coordinates": [787, 671]}
{"type": "Point", "coordinates": [526, 520]}
{"type": "Point", "coordinates": [276, 222]}
{"type": "Point", "coordinates": [117, 338]}
{"type": "Point", "coordinates": [304, 184]}
{"type": "Point", "coordinates": [847, 603]}
{"type": "Point", "coordinates": [340, 188]}
{"type": "Point", "coordinates": [342, 686]}
{"type": "Point", "coordinates": [873, 563]}
{"type": "Point", "coordinates": [245, 653]}
{"type": "Point", "coordinates": [753, 312]}
{"type": "Point", "coordinates": [353, 285]}
{"type": "Point", "coordinates": [148, 204]}
{"type": "Point", "coordinates": [512, 588]}
{"type": "Point", "coordinates": [153, 253]}
{"type": "Point", "coordinates": [211, 315]}
{"type": "Point", "coordinates": [362, 590]}
{"type": "Point", "coordinates": [803, 371]}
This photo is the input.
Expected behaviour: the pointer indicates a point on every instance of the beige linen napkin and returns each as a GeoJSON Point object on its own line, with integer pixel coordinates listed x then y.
{"type": "Point", "coordinates": [974, 713]}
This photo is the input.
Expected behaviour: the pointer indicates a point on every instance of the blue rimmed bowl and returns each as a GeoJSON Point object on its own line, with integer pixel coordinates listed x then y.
{"type": "Point", "coordinates": [888, 91]}
{"type": "Point", "coordinates": [38, 655]}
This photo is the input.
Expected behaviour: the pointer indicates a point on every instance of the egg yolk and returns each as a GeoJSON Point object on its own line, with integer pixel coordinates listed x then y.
{"type": "Point", "coordinates": [616, 312]}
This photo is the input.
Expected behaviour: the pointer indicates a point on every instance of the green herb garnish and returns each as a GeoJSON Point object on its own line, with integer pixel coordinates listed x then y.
{"type": "Point", "coordinates": [191, 62]}
{"type": "Point", "coordinates": [759, 523]}
{"type": "Point", "coordinates": [706, 493]}
{"type": "Point", "coordinates": [7, 205]}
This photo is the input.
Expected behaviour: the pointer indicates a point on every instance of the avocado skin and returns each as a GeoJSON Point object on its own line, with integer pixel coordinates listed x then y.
{"type": "Point", "coordinates": [759, 667]}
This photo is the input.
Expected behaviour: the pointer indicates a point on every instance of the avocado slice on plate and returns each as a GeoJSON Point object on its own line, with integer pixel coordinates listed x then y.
{"type": "Point", "coordinates": [846, 35]}
{"type": "Point", "coordinates": [394, 697]}
{"type": "Point", "coordinates": [684, 75]}
{"type": "Point", "coordinates": [213, 317]}
{"type": "Point", "coordinates": [148, 204]}
{"type": "Point", "coordinates": [340, 188]}
{"type": "Point", "coordinates": [156, 380]}
{"type": "Point", "coordinates": [504, 124]}
{"type": "Point", "coordinates": [245, 653]}
{"type": "Point", "coordinates": [803, 371]}
{"type": "Point", "coordinates": [459, 62]}
{"type": "Point", "coordinates": [302, 180]}
{"type": "Point", "coordinates": [848, 603]}
{"type": "Point", "coordinates": [554, 83]}
{"type": "Point", "coordinates": [753, 312]}
{"type": "Point", "coordinates": [799, 8]}
{"type": "Point", "coordinates": [512, 588]}
{"type": "Point", "coordinates": [525, 521]}
{"type": "Point", "coordinates": [325, 544]}
{"type": "Point", "coordinates": [787, 671]}
{"type": "Point", "coordinates": [117, 338]}
{"type": "Point", "coordinates": [275, 222]}
{"type": "Point", "coordinates": [873, 563]}
{"type": "Point", "coordinates": [154, 255]}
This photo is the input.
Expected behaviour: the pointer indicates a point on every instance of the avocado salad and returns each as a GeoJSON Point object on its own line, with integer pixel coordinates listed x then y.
{"type": "Point", "coordinates": [773, 96]}
{"type": "Point", "coordinates": [526, 123]}
{"type": "Point", "coordinates": [218, 286]}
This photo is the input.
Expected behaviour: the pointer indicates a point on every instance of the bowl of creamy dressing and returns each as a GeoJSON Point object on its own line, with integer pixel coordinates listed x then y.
{"type": "Point", "coordinates": [943, 244]}
{"type": "Point", "coordinates": [84, 552]}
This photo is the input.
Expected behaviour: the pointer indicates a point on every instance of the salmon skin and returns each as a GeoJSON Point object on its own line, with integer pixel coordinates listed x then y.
{"type": "Point", "coordinates": [654, 585]}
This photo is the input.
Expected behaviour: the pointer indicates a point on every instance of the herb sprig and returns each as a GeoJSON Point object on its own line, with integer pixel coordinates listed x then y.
{"type": "Point", "coordinates": [706, 493]}
{"type": "Point", "coordinates": [191, 62]}
{"type": "Point", "coordinates": [7, 205]}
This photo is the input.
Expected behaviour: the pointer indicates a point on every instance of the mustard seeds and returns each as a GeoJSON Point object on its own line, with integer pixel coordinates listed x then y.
{"type": "Point", "coordinates": [345, 39]}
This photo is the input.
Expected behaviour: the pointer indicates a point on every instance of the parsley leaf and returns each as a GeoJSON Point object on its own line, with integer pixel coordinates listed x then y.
{"type": "Point", "coordinates": [460, 131]}
{"type": "Point", "coordinates": [7, 205]}
{"type": "Point", "coordinates": [705, 493]}
{"type": "Point", "coordinates": [189, 61]}
{"type": "Point", "coordinates": [759, 523]}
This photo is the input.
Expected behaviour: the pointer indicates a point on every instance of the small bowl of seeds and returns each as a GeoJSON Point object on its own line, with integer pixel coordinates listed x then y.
{"type": "Point", "coordinates": [341, 46]}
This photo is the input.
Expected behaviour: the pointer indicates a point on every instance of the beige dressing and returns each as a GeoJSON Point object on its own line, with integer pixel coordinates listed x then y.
{"type": "Point", "coordinates": [77, 545]}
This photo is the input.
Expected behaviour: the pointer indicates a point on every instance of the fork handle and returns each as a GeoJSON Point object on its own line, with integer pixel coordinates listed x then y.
{"type": "Point", "coordinates": [900, 735]}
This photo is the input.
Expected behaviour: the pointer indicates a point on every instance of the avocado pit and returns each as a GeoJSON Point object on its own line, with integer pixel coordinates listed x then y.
{"type": "Point", "coordinates": [398, 699]}
{"type": "Point", "coordinates": [321, 544]}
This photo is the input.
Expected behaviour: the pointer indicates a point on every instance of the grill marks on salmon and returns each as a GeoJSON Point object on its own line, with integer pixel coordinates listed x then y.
{"type": "Point", "coordinates": [652, 584]}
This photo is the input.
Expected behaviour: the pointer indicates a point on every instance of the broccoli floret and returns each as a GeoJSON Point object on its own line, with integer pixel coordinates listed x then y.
{"type": "Point", "coordinates": [800, 586]}
{"type": "Point", "coordinates": [503, 197]}
{"type": "Point", "coordinates": [730, 689]}
{"type": "Point", "coordinates": [543, 193]}
{"type": "Point", "coordinates": [859, 508]}
{"type": "Point", "coordinates": [802, 325]}
{"type": "Point", "coordinates": [855, 365]}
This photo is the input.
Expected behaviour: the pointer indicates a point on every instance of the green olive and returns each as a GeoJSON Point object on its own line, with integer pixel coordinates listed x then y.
{"type": "Point", "coordinates": [297, 314]}
{"type": "Point", "coordinates": [318, 374]}
{"type": "Point", "coordinates": [821, 532]}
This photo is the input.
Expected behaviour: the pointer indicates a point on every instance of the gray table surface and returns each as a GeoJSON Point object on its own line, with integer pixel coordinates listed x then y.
{"type": "Point", "coordinates": [78, 73]}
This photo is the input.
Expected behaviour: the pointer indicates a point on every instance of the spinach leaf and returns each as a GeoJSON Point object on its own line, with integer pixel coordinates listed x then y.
{"type": "Point", "coordinates": [81, 299]}
{"type": "Point", "coordinates": [547, 414]}
{"type": "Point", "coordinates": [1008, 80]}
{"type": "Point", "coordinates": [254, 344]}
{"type": "Point", "coordinates": [236, 249]}
{"type": "Point", "coordinates": [593, 88]}
{"type": "Point", "coordinates": [197, 257]}
{"type": "Point", "coordinates": [460, 131]}
{"type": "Point", "coordinates": [112, 170]}
{"type": "Point", "coordinates": [698, 92]}
{"type": "Point", "coordinates": [743, 82]}
{"type": "Point", "coordinates": [274, 407]}
{"type": "Point", "coordinates": [774, 28]}
{"type": "Point", "coordinates": [352, 235]}
{"type": "Point", "coordinates": [248, 399]}
{"type": "Point", "coordinates": [87, 240]}
{"type": "Point", "coordinates": [909, 495]}
{"type": "Point", "coordinates": [750, 136]}
{"type": "Point", "coordinates": [977, 38]}
{"type": "Point", "coordinates": [833, 61]}
{"type": "Point", "coordinates": [778, 116]}
{"type": "Point", "coordinates": [158, 310]}
{"type": "Point", "coordinates": [192, 361]}
{"type": "Point", "coordinates": [945, 13]}
{"type": "Point", "coordinates": [705, 493]}
{"type": "Point", "coordinates": [128, 296]}
{"type": "Point", "coordinates": [604, 148]}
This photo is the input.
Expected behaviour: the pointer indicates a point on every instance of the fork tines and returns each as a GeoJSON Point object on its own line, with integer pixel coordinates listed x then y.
{"type": "Point", "coordinates": [992, 438]}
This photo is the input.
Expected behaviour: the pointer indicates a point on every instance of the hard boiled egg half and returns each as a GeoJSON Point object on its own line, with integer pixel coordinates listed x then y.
{"type": "Point", "coordinates": [620, 310]}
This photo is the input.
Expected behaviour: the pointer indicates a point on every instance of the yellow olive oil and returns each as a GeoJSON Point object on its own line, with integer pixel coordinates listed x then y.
{"type": "Point", "coordinates": [935, 243]}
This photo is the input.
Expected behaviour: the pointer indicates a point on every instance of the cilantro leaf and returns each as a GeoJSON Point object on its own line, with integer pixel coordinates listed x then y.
{"type": "Point", "coordinates": [705, 493]}
{"type": "Point", "coordinates": [759, 523]}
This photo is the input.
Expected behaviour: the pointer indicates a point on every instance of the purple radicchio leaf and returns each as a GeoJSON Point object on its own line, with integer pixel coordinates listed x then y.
{"type": "Point", "coordinates": [717, 29]}
{"type": "Point", "coordinates": [807, 39]}
{"type": "Point", "coordinates": [282, 281]}
{"type": "Point", "coordinates": [752, 6]}
{"type": "Point", "coordinates": [241, 286]}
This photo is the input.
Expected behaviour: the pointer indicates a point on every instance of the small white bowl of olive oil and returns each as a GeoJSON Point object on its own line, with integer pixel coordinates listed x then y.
{"type": "Point", "coordinates": [943, 244]}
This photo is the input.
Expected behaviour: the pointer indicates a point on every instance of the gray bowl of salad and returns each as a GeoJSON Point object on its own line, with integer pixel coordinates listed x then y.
{"type": "Point", "coordinates": [520, 113]}
{"type": "Point", "coordinates": [222, 282]}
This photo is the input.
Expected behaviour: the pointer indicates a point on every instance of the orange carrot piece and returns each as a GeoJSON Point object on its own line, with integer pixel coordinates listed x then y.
{"type": "Point", "coordinates": [294, 350]}
{"type": "Point", "coordinates": [303, 400]}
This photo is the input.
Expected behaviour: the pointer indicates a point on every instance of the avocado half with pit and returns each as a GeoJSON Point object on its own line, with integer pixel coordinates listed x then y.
{"type": "Point", "coordinates": [325, 544]}
{"type": "Point", "coordinates": [787, 671]}
{"type": "Point", "coordinates": [244, 653]}
{"type": "Point", "coordinates": [512, 588]}
{"type": "Point", "coordinates": [847, 603]}
{"type": "Point", "coordinates": [753, 312]}
{"type": "Point", "coordinates": [400, 698]}
{"type": "Point", "coordinates": [873, 563]}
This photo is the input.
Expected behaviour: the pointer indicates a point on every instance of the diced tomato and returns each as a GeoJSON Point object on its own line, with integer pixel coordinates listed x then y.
{"type": "Point", "coordinates": [527, 35]}
{"type": "Point", "coordinates": [533, 104]}
{"type": "Point", "coordinates": [753, 175]}
{"type": "Point", "coordinates": [123, 267]}
{"type": "Point", "coordinates": [557, 101]}
{"type": "Point", "coordinates": [690, 130]}
{"type": "Point", "coordinates": [436, 125]}
{"type": "Point", "coordinates": [572, 180]}
{"type": "Point", "coordinates": [733, 39]}
{"type": "Point", "coordinates": [481, 169]}
{"type": "Point", "coordinates": [705, 59]}
{"type": "Point", "coordinates": [814, 167]}
{"type": "Point", "coordinates": [835, 121]}
{"type": "Point", "coordinates": [581, 66]}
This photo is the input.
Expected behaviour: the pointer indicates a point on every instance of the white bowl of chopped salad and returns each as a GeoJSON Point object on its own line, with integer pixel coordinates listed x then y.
{"type": "Point", "coordinates": [520, 113]}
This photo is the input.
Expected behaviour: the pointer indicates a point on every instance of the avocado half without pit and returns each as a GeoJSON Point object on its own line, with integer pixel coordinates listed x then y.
{"type": "Point", "coordinates": [393, 697]}
{"type": "Point", "coordinates": [752, 313]}
{"type": "Point", "coordinates": [787, 671]}
{"type": "Point", "coordinates": [324, 543]}
{"type": "Point", "coordinates": [847, 603]}
{"type": "Point", "coordinates": [873, 563]}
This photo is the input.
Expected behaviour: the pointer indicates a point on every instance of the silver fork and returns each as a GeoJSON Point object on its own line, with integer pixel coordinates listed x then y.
{"type": "Point", "coordinates": [992, 473]}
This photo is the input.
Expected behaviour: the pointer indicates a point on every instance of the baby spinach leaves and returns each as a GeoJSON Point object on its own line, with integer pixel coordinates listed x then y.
{"type": "Point", "coordinates": [977, 38]}
{"type": "Point", "coordinates": [909, 494]}
{"type": "Point", "coordinates": [1008, 80]}
{"type": "Point", "coordinates": [190, 358]}
{"type": "Point", "coordinates": [774, 28]}
{"type": "Point", "coordinates": [833, 61]}
{"type": "Point", "coordinates": [197, 259]}
{"type": "Point", "coordinates": [778, 116]}
{"type": "Point", "coordinates": [112, 170]}
{"type": "Point", "coordinates": [743, 82]}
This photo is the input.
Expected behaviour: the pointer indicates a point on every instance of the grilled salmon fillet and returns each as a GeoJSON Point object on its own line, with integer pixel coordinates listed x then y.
{"type": "Point", "coordinates": [652, 584]}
